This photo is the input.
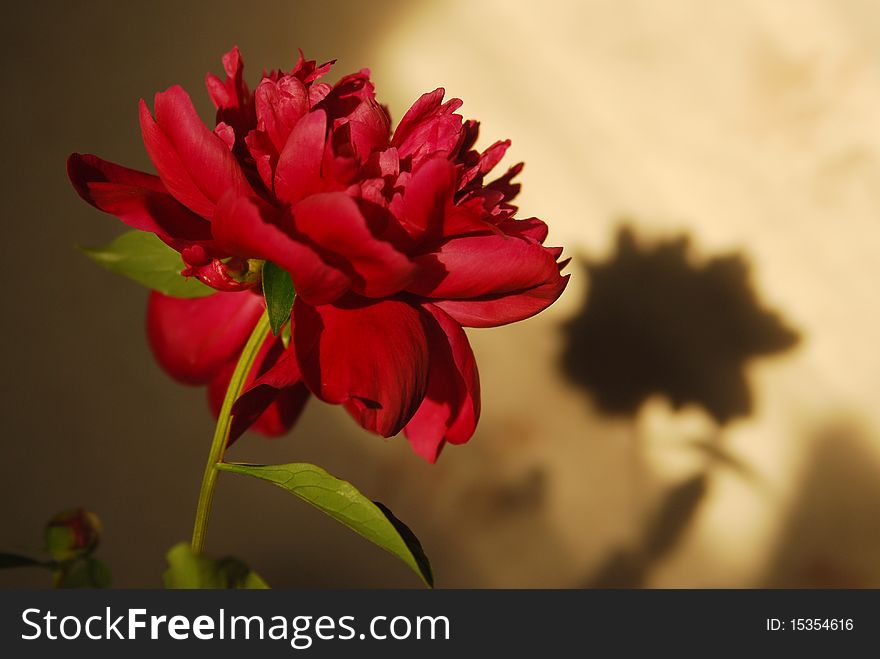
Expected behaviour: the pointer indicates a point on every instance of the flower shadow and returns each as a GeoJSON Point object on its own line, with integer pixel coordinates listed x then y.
{"type": "Point", "coordinates": [658, 321]}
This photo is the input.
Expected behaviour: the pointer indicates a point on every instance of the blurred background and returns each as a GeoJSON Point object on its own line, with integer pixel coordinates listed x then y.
{"type": "Point", "coordinates": [700, 409]}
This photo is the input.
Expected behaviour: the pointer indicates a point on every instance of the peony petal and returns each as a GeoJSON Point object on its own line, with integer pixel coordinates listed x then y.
{"type": "Point", "coordinates": [231, 92]}
{"type": "Point", "coordinates": [472, 266]}
{"type": "Point", "coordinates": [310, 70]}
{"type": "Point", "coordinates": [195, 165]}
{"type": "Point", "coordinates": [192, 339]}
{"type": "Point", "coordinates": [451, 408]}
{"type": "Point", "coordinates": [466, 218]}
{"type": "Point", "coordinates": [233, 100]}
{"type": "Point", "coordinates": [486, 161]}
{"type": "Point", "coordinates": [370, 123]}
{"type": "Point", "coordinates": [280, 105]}
{"type": "Point", "coordinates": [138, 199]}
{"type": "Point", "coordinates": [531, 228]}
{"type": "Point", "coordinates": [264, 154]}
{"type": "Point", "coordinates": [171, 170]}
{"type": "Point", "coordinates": [318, 92]}
{"type": "Point", "coordinates": [371, 136]}
{"type": "Point", "coordinates": [353, 100]}
{"type": "Point", "coordinates": [298, 173]}
{"type": "Point", "coordinates": [333, 222]}
{"type": "Point", "coordinates": [340, 167]}
{"type": "Point", "coordinates": [429, 127]}
{"type": "Point", "coordinates": [250, 228]}
{"type": "Point", "coordinates": [226, 133]}
{"type": "Point", "coordinates": [422, 207]}
{"type": "Point", "coordinates": [492, 311]}
{"type": "Point", "coordinates": [372, 356]}
{"type": "Point", "coordinates": [490, 280]}
{"type": "Point", "coordinates": [504, 184]}
{"type": "Point", "coordinates": [88, 168]}
{"type": "Point", "coordinates": [274, 395]}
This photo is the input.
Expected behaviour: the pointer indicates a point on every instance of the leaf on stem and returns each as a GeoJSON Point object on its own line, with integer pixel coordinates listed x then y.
{"type": "Point", "coordinates": [141, 256]}
{"type": "Point", "coordinates": [344, 503]}
{"type": "Point", "coordinates": [279, 293]}
{"type": "Point", "coordinates": [17, 560]}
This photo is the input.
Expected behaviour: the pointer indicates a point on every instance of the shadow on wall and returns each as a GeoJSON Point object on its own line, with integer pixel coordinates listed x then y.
{"type": "Point", "coordinates": [831, 537]}
{"type": "Point", "coordinates": [658, 321]}
{"type": "Point", "coordinates": [630, 567]}
{"type": "Point", "coordinates": [665, 525]}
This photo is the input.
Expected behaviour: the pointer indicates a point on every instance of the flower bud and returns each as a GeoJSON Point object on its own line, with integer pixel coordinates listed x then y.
{"type": "Point", "coordinates": [72, 533]}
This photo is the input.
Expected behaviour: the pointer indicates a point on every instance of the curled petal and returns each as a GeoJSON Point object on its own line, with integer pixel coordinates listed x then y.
{"type": "Point", "coordinates": [451, 407]}
{"type": "Point", "coordinates": [195, 165]}
{"type": "Point", "coordinates": [226, 133]}
{"type": "Point", "coordinates": [353, 100]}
{"type": "Point", "coordinates": [531, 228]}
{"type": "Point", "coordinates": [192, 339]}
{"type": "Point", "coordinates": [280, 105]}
{"type": "Point", "coordinates": [472, 266]}
{"type": "Point", "coordinates": [370, 356]}
{"type": "Point", "coordinates": [138, 199]}
{"type": "Point", "coordinates": [429, 127]}
{"type": "Point", "coordinates": [221, 274]}
{"type": "Point", "coordinates": [333, 222]}
{"type": "Point", "coordinates": [251, 228]}
{"type": "Point", "coordinates": [489, 280]}
{"type": "Point", "coordinates": [495, 310]}
{"type": "Point", "coordinates": [273, 396]}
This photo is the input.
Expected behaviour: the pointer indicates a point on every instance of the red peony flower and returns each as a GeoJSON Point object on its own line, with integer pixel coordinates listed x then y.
{"type": "Point", "coordinates": [394, 242]}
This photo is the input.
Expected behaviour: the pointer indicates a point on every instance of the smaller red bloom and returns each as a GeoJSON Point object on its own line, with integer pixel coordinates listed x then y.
{"type": "Point", "coordinates": [394, 242]}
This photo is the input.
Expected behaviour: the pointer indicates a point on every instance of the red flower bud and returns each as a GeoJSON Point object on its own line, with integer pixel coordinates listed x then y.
{"type": "Point", "coordinates": [72, 533]}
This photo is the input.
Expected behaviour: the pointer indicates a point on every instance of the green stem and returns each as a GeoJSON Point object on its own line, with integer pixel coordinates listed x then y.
{"type": "Point", "coordinates": [221, 433]}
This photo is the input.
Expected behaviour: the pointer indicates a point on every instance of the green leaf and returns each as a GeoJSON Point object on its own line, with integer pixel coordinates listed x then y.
{"type": "Point", "coordinates": [279, 293]}
{"type": "Point", "coordinates": [141, 256]}
{"type": "Point", "coordinates": [90, 573]}
{"type": "Point", "coordinates": [17, 560]}
{"type": "Point", "coordinates": [342, 501]}
{"type": "Point", "coordinates": [188, 570]}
